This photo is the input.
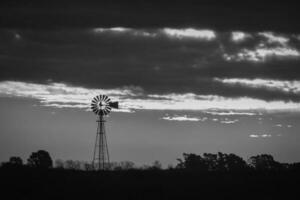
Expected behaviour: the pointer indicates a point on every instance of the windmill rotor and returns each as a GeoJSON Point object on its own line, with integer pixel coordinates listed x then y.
{"type": "Point", "coordinates": [102, 105]}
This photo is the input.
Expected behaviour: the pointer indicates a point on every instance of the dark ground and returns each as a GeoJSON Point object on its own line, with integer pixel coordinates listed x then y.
{"type": "Point", "coordinates": [29, 183]}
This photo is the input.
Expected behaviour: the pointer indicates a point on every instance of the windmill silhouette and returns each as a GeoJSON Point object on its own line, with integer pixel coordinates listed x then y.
{"type": "Point", "coordinates": [101, 105]}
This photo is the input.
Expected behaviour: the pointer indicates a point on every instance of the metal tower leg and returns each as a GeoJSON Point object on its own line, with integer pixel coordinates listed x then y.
{"type": "Point", "coordinates": [101, 156]}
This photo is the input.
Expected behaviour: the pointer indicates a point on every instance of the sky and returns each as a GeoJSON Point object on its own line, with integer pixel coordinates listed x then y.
{"type": "Point", "coordinates": [189, 76]}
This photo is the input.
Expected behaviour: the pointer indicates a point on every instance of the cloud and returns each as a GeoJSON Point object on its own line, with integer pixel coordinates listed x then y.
{"type": "Point", "coordinates": [254, 136]}
{"type": "Point", "coordinates": [79, 14]}
{"type": "Point", "coordinates": [62, 95]}
{"type": "Point", "coordinates": [183, 118]}
{"type": "Point", "coordinates": [186, 33]}
{"type": "Point", "coordinates": [59, 95]}
{"type": "Point", "coordinates": [113, 29]}
{"type": "Point", "coordinates": [268, 46]}
{"type": "Point", "coordinates": [281, 125]}
{"type": "Point", "coordinates": [190, 33]}
{"type": "Point", "coordinates": [292, 87]}
{"type": "Point", "coordinates": [230, 112]}
{"type": "Point", "coordinates": [17, 36]}
{"type": "Point", "coordinates": [260, 135]}
{"type": "Point", "coordinates": [238, 36]}
{"type": "Point", "coordinates": [227, 121]}
{"type": "Point", "coordinates": [126, 30]}
{"type": "Point", "coordinates": [117, 56]}
{"type": "Point", "coordinates": [273, 38]}
{"type": "Point", "coordinates": [261, 54]}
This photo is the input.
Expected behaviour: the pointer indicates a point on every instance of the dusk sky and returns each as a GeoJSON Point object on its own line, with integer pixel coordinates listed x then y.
{"type": "Point", "coordinates": [190, 77]}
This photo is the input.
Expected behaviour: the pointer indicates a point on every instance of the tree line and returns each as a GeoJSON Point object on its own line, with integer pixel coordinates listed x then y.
{"type": "Point", "coordinates": [206, 162]}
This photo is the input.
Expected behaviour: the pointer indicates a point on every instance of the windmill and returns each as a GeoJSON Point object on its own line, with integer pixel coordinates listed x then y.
{"type": "Point", "coordinates": [101, 105]}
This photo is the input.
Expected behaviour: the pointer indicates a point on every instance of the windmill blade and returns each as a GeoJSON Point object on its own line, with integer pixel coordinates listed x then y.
{"type": "Point", "coordinates": [107, 109]}
{"type": "Point", "coordinates": [105, 112]}
{"type": "Point", "coordinates": [114, 104]}
{"type": "Point", "coordinates": [107, 100]}
{"type": "Point", "coordinates": [105, 97]}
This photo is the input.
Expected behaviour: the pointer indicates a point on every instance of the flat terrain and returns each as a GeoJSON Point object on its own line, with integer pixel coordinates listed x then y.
{"type": "Point", "coordinates": [31, 183]}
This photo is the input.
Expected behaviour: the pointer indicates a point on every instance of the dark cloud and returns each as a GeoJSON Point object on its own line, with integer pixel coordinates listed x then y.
{"type": "Point", "coordinates": [156, 64]}
{"type": "Point", "coordinates": [220, 15]}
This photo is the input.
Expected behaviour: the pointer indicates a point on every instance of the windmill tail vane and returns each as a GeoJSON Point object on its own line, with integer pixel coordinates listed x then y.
{"type": "Point", "coordinates": [114, 104]}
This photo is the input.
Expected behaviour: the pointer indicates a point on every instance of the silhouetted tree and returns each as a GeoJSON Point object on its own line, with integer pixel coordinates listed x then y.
{"type": "Point", "coordinates": [126, 165]}
{"type": "Point", "coordinates": [72, 164]}
{"type": "Point", "coordinates": [156, 165]}
{"type": "Point", "coordinates": [294, 166]}
{"type": "Point", "coordinates": [170, 167]}
{"type": "Point", "coordinates": [17, 161]}
{"type": "Point", "coordinates": [233, 162]}
{"type": "Point", "coordinates": [123, 165]}
{"type": "Point", "coordinates": [87, 166]}
{"type": "Point", "coordinates": [264, 162]}
{"type": "Point", "coordinates": [40, 159]}
{"type": "Point", "coordinates": [14, 162]}
{"type": "Point", "coordinates": [212, 162]}
{"type": "Point", "coordinates": [59, 163]}
{"type": "Point", "coordinates": [192, 162]}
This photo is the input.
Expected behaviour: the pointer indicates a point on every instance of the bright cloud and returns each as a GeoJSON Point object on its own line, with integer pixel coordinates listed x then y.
{"type": "Point", "coordinates": [268, 44]}
{"type": "Point", "coordinates": [190, 33]}
{"type": "Point", "coordinates": [135, 32]}
{"type": "Point", "coordinates": [183, 118]}
{"type": "Point", "coordinates": [17, 36]}
{"type": "Point", "coordinates": [273, 46]}
{"type": "Point", "coordinates": [273, 38]}
{"type": "Point", "coordinates": [284, 86]}
{"type": "Point", "coordinates": [230, 112]}
{"type": "Point", "coordinates": [238, 36]}
{"type": "Point", "coordinates": [260, 135]}
{"type": "Point", "coordinates": [113, 29]}
{"type": "Point", "coordinates": [261, 54]}
{"type": "Point", "coordinates": [64, 96]}
{"type": "Point", "coordinates": [229, 121]}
